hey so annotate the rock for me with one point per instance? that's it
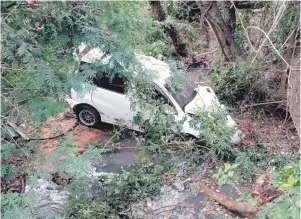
(179, 185)
(230, 191)
(46, 197)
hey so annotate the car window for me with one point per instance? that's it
(160, 97)
(164, 100)
(117, 84)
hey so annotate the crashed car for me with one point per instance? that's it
(110, 103)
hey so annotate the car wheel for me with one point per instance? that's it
(88, 116)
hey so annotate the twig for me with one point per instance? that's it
(151, 211)
(174, 206)
(276, 21)
(114, 136)
(265, 103)
(22, 69)
(278, 53)
(23, 135)
(280, 12)
(22, 185)
(10, 13)
(287, 136)
(206, 53)
(287, 39)
(19, 146)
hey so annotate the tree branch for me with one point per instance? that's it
(10, 13)
(249, 5)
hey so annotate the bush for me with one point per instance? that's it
(14, 205)
(142, 180)
(287, 205)
(238, 84)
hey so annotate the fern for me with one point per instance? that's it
(14, 205)
(42, 109)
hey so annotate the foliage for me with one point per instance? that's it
(141, 180)
(80, 167)
(251, 161)
(40, 110)
(238, 84)
(134, 23)
(226, 175)
(288, 204)
(7, 171)
(15, 205)
(239, 34)
(14, 160)
(39, 52)
(288, 22)
(288, 177)
(216, 132)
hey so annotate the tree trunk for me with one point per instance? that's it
(176, 37)
(287, 56)
(241, 207)
(228, 14)
(293, 92)
(249, 4)
(212, 14)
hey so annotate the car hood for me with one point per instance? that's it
(205, 99)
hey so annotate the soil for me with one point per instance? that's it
(17, 181)
(273, 130)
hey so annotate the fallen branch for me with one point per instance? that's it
(118, 132)
(240, 207)
(13, 125)
(205, 53)
(10, 13)
(265, 103)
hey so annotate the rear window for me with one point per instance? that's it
(101, 80)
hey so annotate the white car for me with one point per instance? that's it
(109, 102)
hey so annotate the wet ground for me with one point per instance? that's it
(198, 205)
(177, 200)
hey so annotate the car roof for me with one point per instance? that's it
(160, 68)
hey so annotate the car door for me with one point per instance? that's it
(111, 101)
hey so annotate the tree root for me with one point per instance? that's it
(243, 208)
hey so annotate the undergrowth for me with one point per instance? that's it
(239, 84)
(140, 181)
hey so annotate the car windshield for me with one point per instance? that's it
(184, 95)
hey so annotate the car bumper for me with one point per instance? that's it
(71, 102)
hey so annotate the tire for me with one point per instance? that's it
(88, 116)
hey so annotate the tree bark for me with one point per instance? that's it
(241, 207)
(293, 92)
(249, 5)
(212, 14)
(176, 37)
(228, 14)
(287, 56)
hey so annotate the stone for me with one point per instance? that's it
(179, 185)
(46, 197)
(230, 191)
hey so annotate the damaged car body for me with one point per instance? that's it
(109, 102)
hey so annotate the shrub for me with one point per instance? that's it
(288, 204)
(237, 84)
